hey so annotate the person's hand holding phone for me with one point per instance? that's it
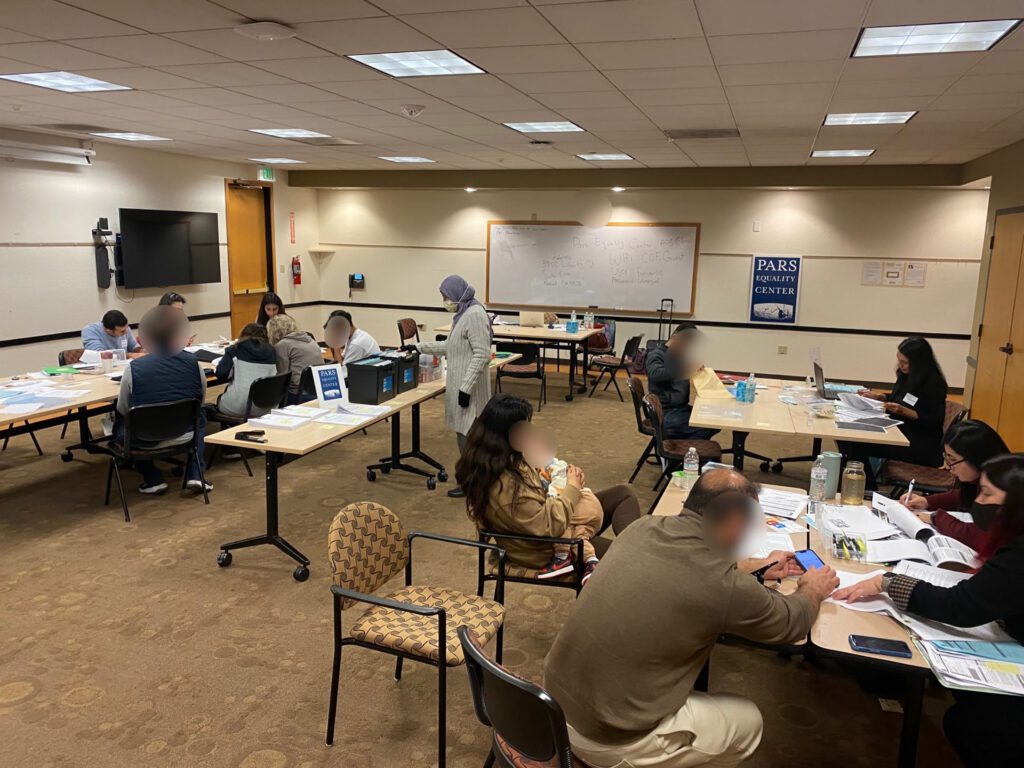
(785, 565)
(818, 583)
(575, 477)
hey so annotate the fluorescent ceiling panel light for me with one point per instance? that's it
(868, 118)
(594, 156)
(128, 136)
(290, 133)
(842, 153)
(406, 159)
(68, 82)
(275, 160)
(418, 63)
(932, 38)
(559, 127)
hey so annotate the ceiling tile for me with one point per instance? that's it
(481, 29)
(378, 35)
(298, 11)
(920, 65)
(793, 46)
(677, 97)
(141, 78)
(502, 60)
(149, 50)
(584, 99)
(320, 69)
(1007, 83)
(555, 82)
(863, 89)
(479, 104)
(212, 96)
(1000, 61)
(653, 79)
(10, 36)
(292, 93)
(796, 92)
(740, 17)
(463, 85)
(226, 75)
(873, 103)
(978, 101)
(890, 13)
(56, 56)
(373, 89)
(693, 116)
(624, 20)
(778, 73)
(174, 16)
(649, 54)
(398, 7)
(51, 20)
(231, 45)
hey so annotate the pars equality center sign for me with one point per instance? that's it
(774, 289)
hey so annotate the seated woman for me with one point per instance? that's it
(348, 344)
(982, 727)
(505, 494)
(918, 399)
(967, 445)
(249, 359)
(296, 351)
(270, 305)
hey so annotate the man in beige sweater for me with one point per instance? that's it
(624, 665)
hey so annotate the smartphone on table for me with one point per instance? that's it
(808, 559)
(881, 646)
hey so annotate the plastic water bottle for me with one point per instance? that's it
(819, 479)
(741, 391)
(691, 467)
(751, 389)
(572, 318)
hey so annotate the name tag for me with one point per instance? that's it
(910, 399)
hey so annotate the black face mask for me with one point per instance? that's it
(984, 514)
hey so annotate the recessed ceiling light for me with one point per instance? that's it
(471, 189)
(618, 189)
(68, 82)
(593, 156)
(842, 153)
(418, 63)
(932, 38)
(290, 133)
(129, 136)
(275, 160)
(407, 159)
(868, 118)
(559, 127)
(265, 31)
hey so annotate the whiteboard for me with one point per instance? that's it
(621, 266)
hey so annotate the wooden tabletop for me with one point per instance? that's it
(539, 333)
(834, 625)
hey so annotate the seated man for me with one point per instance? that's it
(165, 375)
(623, 666)
(111, 333)
(348, 343)
(668, 376)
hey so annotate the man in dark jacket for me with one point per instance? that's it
(668, 377)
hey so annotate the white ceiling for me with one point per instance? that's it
(625, 70)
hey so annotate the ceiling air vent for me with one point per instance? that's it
(682, 134)
(540, 143)
(326, 141)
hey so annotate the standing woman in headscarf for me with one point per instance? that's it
(468, 349)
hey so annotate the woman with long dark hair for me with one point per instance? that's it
(967, 445)
(982, 727)
(505, 494)
(270, 305)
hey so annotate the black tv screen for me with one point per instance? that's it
(161, 248)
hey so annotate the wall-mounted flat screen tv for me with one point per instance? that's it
(161, 248)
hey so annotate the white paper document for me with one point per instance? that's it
(858, 520)
(341, 419)
(19, 409)
(782, 503)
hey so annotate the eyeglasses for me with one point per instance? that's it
(950, 463)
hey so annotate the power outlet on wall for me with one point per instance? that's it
(783, 349)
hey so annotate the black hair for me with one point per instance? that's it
(270, 298)
(114, 319)
(923, 365)
(976, 442)
(684, 326)
(255, 332)
(1007, 474)
(339, 313)
(488, 454)
(171, 297)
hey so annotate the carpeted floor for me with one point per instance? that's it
(126, 645)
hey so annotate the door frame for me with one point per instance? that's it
(268, 216)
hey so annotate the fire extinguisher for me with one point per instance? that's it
(296, 271)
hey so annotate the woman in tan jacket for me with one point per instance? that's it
(505, 494)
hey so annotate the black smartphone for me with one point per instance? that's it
(251, 433)
(808, 559)
(250, 437)
(880, 646)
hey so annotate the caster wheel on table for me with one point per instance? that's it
(386, 469)
(301, 573)
(777, 468)
(765, 466)
(67, 457)
(442, 476)
(431, 483)
(371, 475)
(224, 559)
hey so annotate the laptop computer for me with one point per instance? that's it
(531, 319)
(825, 391)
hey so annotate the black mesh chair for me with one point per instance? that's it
(151, 425)
(264, 394)
(611, 365)
(529, 366)
(527, 724)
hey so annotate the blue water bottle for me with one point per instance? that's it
(741, 391)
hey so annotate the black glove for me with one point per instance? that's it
(463, 399)
(408, 348)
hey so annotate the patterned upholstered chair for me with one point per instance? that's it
(367, 547)
(528, 726)
(926, 479)
(489, 567)
(672, 452)
(407, 329)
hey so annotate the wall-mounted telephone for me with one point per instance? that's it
(356, 281)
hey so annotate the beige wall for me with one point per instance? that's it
(405, 242)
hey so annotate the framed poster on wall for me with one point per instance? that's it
(774, 289)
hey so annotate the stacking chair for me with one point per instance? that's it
(671, 452)
(611, 365)
(643, 425)
(530, 366)
(367, 547)
(407, 329)
(264, 394)
(65, 357)
(527, 725)
(899, 474)
(151, 425)
(307, 388)
(490, 568)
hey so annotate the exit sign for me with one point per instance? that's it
(266, 173)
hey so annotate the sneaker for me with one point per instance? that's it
(560, 565)
(231, 454)
(153, 490)
(197, 485)
(588, 571)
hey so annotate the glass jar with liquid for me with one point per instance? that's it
(853, 483)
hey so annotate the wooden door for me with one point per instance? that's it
(250, 250)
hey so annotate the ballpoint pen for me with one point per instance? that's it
(910, 489)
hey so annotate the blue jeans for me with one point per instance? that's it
(151, 474)
(677, 426)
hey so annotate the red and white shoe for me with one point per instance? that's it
(560, 565)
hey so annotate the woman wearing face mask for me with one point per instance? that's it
(983, 728)
(506, 494)
(967, 445)
(918, 399)
(468, 348)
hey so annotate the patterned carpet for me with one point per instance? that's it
(126, 645)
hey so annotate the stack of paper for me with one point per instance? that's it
(342, 419)
(987, 667)
(858, 520)
(763, 545)
(782, 503)
(277, 421)
(361, 409)
(856, 409)
(302, 411)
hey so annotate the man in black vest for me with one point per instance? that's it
(168, 373)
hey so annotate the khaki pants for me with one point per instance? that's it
(720, 730)
(584, 522)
